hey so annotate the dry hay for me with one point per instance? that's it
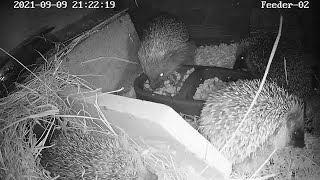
(37, 101)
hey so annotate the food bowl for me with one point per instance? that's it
(183, 102)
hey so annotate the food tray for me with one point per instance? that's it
(183, 102)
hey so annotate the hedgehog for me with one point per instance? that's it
(93, 155)
(253, 54)
(165, 46)
(253, 46)
(276, 119)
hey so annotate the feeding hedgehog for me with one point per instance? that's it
(93, 155)
(253, 54)
(276, 119)
(165, 46)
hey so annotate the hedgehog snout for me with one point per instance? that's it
(240, 63)
(154, 85)
(156, 81)
(296, 130)
(297, 139)
(154, 78)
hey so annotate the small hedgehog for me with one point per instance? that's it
(165, 45)
(276, 119)
(253, 46)
(253, 54)
(93, 155)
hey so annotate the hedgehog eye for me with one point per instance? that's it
(161, 74)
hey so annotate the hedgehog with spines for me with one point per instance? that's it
(253, 54)
(76, 154)
(165, 46)
(276, 119)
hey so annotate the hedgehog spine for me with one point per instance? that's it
(164, 47)
(274, 108)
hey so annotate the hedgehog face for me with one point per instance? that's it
(241, 56)
(164, 66)
(155, 80)
(157, 75)
(295, 125)
(240, 63)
